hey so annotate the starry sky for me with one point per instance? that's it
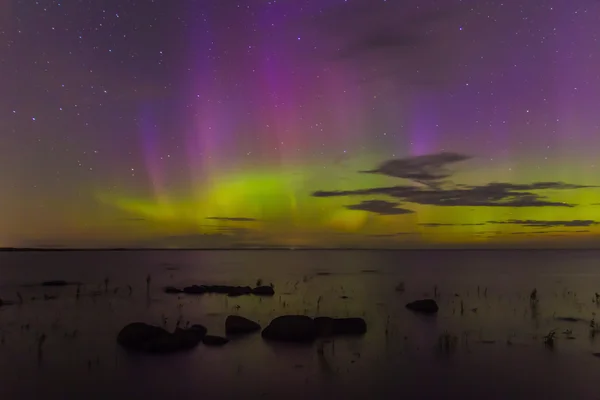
(319, 123)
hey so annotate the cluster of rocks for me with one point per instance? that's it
(231, 291)
(145, 338)
(141, 337)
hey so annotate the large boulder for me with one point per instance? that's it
(327, 326)
(291, 328)
(426, 306)
(142, 337)
(236, 325)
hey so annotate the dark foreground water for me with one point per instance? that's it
(499, 352)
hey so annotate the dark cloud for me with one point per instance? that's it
(529, 186)
(546, 224)
(491, 195)
(426, 169)
(439, 225)
(233, 219)
(380, 207)
(431, 169)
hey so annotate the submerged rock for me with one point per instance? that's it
(291, 328)
(263, 291)
(327, 326)
(232, 291)
(235, 291)
(6, 303)
(569, 319)
(142, 337)
(210, 340)
(426, 306)
(236, 325)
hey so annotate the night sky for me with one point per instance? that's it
(299, 123)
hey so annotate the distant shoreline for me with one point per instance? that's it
(136, 249)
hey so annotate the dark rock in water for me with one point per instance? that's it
(57, 283)
(236, 325)
(221, 289)
(426, 306)
(200, 330)
(235, 291)
(324, 326)
(291, 328)
(142, 337)
(232, 291)
(327, 326)
(188, 338)
(6, 303)
(210, 340)
(569, 319)
(194, 289)
(263, 291)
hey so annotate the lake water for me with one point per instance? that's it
(499, 352)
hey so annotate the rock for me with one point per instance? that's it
(236, 325)
(139, 336)
(426, 306)
(324, 326)
(200, 330)
(188, 338)
(291, 328)
(235, 291)
(194, 289)
(6, 303)
(569, 319)
(232, 291)
(327, 326)
(142, 337)
(263, 291)
(210, 340)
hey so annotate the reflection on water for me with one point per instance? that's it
(487, 340)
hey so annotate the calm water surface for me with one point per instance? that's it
(499, 352)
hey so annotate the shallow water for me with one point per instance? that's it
(398, 356)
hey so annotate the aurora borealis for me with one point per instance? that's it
(319, 123)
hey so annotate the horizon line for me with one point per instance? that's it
(292, 248)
